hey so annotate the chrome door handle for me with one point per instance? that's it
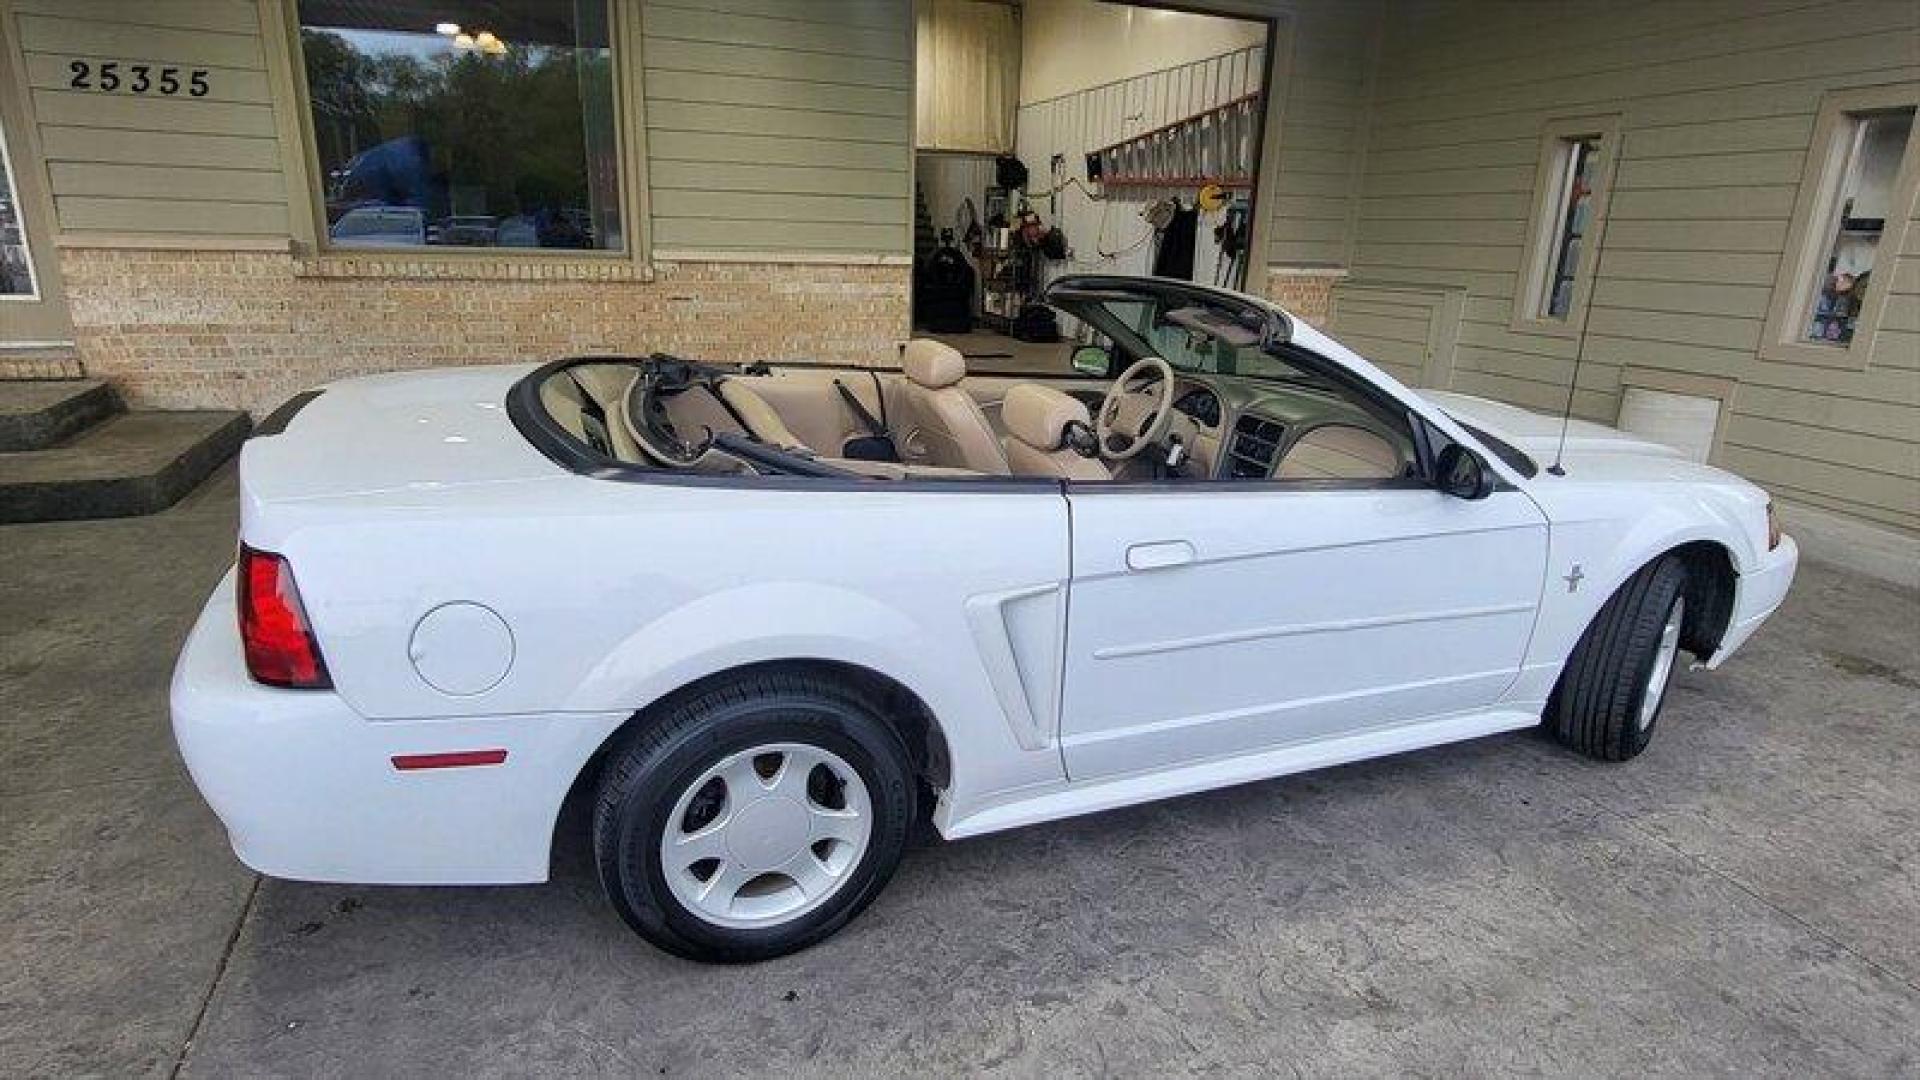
(1159, 555)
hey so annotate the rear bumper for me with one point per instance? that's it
(308, 790)
(1758, 594)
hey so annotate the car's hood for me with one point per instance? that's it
(415, 430)
(1594, 452)
(1539, 434)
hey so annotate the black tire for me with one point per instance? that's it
(653, 766)
(1595, 708)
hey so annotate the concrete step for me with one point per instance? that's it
(37, 413)
(134, 463)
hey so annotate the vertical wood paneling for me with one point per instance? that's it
(1322, 132)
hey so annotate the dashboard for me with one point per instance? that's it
(1246, 429)
(1200, 405)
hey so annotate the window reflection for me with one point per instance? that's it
(1873, 146)
(1574, 220)
(16, 266)
(471, 123)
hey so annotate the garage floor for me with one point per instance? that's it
(1743, 900)
(992, 353)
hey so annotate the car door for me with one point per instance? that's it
(1208, 620)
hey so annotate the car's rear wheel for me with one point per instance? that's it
(754, 817)
(1615, 683)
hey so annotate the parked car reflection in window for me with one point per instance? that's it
(493, 127)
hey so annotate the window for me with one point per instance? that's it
(1870, 148)
(1575, 214)
(16, 263)
(1570, 197)
(1856, 197)
(467, 124)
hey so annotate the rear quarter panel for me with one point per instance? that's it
(617, 593)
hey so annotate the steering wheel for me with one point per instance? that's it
(1122, 425)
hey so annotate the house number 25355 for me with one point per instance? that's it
(113, 76)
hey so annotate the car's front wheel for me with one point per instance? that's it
(753, 818)
(1610, 694)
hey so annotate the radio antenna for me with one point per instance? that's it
(1586, 312)
(1566, 412)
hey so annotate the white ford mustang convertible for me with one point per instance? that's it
(763, 616)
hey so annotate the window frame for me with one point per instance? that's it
(1809, 236)
(1547, 217)
(32, 295)
(287, 77)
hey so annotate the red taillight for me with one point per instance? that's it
(281, 650)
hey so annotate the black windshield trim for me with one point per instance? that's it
(1514, 457)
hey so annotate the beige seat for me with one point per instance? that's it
(1036, 418)
(1340, 452)
(566, 396)
(940, 423)
(757, 416)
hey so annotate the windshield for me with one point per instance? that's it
(1192, 331)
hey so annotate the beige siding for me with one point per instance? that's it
(1322, 133)
(1717, 101)
(1411, 333)
(147, 163)
(778, 127)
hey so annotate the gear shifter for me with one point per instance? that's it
(1176, 454)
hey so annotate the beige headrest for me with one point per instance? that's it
(933, 364)
(1038, 415)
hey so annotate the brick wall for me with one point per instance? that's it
(1306, 293)
(176, 329)
(57, 363)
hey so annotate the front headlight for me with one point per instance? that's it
(1773, 527)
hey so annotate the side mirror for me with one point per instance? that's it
(1093, 360)
(1462, 474)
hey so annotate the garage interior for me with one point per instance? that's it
(1076, 136)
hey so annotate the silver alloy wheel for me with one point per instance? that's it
(1662, 672)
(766, 835)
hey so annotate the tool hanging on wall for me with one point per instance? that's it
(1173, 257)
(1231, 235)
(1159, 214)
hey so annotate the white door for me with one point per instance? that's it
(1207, 621)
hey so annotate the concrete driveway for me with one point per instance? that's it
(1742, 900)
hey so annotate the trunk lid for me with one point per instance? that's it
(422, 430)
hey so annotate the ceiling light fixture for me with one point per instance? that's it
(447, 29)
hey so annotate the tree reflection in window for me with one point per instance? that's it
(16, 263)
(495, 133)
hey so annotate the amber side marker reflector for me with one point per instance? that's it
(458, 759)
